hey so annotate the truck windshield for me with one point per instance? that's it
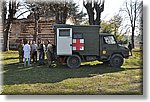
(109, 40)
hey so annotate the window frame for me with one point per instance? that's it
(114, 40)
(66, 29)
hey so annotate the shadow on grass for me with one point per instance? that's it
(10, 58)
(18, 74)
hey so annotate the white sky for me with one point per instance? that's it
(111, 8)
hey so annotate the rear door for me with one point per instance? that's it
(64, 41)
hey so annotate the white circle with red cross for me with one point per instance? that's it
(78, 44)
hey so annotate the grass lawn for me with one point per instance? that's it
(91, 78)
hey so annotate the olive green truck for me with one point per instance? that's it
(76, 44)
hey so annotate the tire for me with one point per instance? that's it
(73, 61)
(116, 60)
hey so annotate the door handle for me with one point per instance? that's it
(70, 44)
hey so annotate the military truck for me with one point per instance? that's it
(76, 43)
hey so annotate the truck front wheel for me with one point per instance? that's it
(73, 61)
(116, 60)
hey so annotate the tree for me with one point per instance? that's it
(94, 9)
(106, 27)
(74, 12)
(61, 10)
(115, 22)
(112, 26)
(11, 11)
(8, 21)
(133, 10)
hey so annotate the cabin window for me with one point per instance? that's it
(109, 40)
(64, 32)
(78, 36)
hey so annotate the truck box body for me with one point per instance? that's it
(84, 39)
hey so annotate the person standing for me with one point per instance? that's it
(30, 43)
(41, 53)
(34, 51)
(27, 50)
(44, 47)
(49, 53)
(130, 48)
(20, 51)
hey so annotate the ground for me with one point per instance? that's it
(91, 78)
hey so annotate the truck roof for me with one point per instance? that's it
(67, 25)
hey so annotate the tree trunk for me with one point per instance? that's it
(98, 14)
(36, 31)
(6, 39)
(90, 11)
(57, 17)
(91, 17)
(64, 15)
(97, 20)
(132, 37)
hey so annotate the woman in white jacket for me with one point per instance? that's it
(27, 50)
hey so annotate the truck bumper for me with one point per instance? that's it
(126, 56)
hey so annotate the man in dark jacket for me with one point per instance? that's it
(20, 51)
(41, 53)
(130, 48)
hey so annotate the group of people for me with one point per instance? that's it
(30, 51)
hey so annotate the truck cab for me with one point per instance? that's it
(110, 51)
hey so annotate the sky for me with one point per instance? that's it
(110, 9)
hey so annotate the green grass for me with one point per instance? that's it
(90, 78)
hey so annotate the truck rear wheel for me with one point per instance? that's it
(73, 61)
(116, 60)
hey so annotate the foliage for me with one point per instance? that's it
(90, 78)
(112, 27)
(60, 10)
(122, 39)
(74, 12)
(115, 22)
(106, 27)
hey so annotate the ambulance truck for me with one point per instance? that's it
(77, 43)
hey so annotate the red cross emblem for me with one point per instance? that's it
(78, 44)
